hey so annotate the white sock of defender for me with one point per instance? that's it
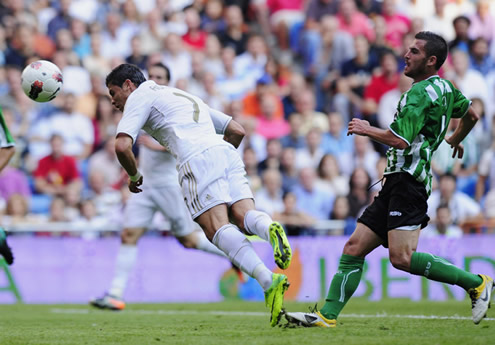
(126, 260)
(241, 252)
(258, 223)
(205, 245)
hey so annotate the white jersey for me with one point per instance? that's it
(158, 168)
(178, 120)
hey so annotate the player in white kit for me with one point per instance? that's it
(211, 172)
(161, 193)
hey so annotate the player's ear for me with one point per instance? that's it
(431, 61)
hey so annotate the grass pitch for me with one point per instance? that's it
(235, 322)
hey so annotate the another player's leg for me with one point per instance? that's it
(344, 282)
(5, 250)
(240, 251)
(124, 265)
(261, 224)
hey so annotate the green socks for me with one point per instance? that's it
(343, 285)
(438, 269)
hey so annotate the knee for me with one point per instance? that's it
(400, 260)
(188, 241)
(129, 236)
(352, 247)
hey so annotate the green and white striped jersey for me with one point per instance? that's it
(6, 139)
(422, 118)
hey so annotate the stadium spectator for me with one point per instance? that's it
(482, 22)
(463, 208)
(82, 40)
(61, 20)
(290, 174)
(353, 21)
(251, 166)
(441, 21)
(364, 156)
(443, 225)
(56, 172)
(337, 142)
(359, 193)
(116, 38)
(234, 35)
(387, 106)
(152, 33)
(14, 181)
(232, 84)
(137, 57)
(94, 62)
(295, 221)
(387, 80)
(306, 108)
(176, 58)
(195, 37)
(211, 18)
(330, 178)
(213, 51)
(397, 24)
(273, 153)
(480, 58)
(310, 155)
(269, 196)
(268, 125)
(105, 161)
(461, 40)
(264, 89)
(341, 211)
(254, 59)
(355, 75)
(297, 84)
(313, 201)
(252, 139)
(294, 139)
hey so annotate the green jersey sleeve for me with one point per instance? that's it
(6, 139)
(411, 113)
(461, 104)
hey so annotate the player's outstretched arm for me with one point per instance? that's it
(384, 136)
(234, 133)
(6, 154)
(123, 149)
(465, 125)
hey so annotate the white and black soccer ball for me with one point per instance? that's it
(41, 81)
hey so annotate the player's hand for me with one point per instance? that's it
(134, 186)
(458, 149)
(358, 126)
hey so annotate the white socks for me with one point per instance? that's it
(257, 223)
(205, 245)
(241, 252)
(126, 259)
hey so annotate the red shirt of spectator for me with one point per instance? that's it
(57, 169)
(194, 38)
(385, 81)
(353, 21)
(251, 103)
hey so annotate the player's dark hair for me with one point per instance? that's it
(435, 46)
(123, 72)
(165, 68)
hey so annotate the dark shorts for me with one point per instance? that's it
(401, 202)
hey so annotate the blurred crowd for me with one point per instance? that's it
(292, 72)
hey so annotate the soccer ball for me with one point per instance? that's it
(41, 81)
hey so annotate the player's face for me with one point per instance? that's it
(415, 59)
(158, 75)
(119, 95)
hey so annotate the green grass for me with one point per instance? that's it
(223, 323)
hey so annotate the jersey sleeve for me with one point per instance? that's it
(220, 120)
(6, 139)
(411, 115)
(461, 104)
(136, 111)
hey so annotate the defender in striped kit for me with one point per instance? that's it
(398, 213)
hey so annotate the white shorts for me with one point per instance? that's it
(216, 176)
(141, 208)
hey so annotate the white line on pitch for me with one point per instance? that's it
(255, 313)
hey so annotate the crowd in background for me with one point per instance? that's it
(292, 72)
